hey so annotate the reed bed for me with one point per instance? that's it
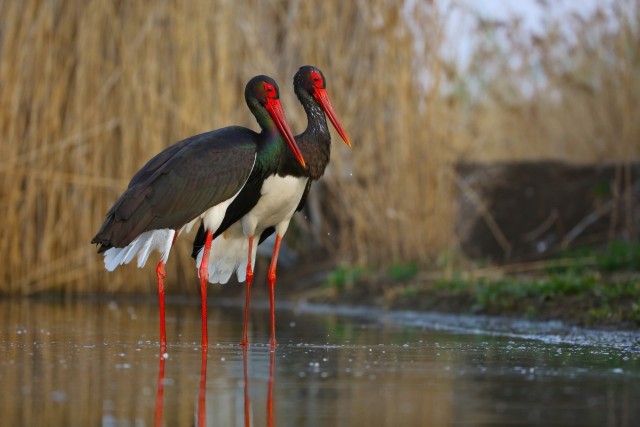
(92, 89)
(570, 91)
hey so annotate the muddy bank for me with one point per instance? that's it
(523, 211)
(578, 310)
(609, 303)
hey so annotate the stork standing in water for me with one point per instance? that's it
(273, 201)
(198, 177)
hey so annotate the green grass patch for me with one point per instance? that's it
(402, 271)
(615, 257)
(345, 277)
(591, 287)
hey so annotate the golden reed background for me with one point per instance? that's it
(91, 89)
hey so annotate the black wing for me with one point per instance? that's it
(181, 183)
(157, 162)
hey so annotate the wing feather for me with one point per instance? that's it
(181, 183)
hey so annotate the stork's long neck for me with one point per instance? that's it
(272, 145)
(315, 141)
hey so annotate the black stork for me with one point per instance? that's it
(274, 202)
(198, 177)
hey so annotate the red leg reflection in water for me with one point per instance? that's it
(247, 402)
(160, 393)
(202, 396)
(272, 365)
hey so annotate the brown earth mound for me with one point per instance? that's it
(522, 211)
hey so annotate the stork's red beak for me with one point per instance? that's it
(322, 97)
(274, 107)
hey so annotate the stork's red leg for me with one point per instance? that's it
(161, 274)
(244, 340)
(271, 275)
(204, 278)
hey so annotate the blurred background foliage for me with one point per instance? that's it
(91, 89)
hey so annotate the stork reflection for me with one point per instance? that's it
(202, 394)
(247, 399)
(159, 393)
(272, 366)
(200, 415)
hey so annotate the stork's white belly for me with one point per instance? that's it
(279, 199)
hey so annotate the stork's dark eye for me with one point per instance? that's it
(317, 79)
(270, 90)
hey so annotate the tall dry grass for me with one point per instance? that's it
(92, 89)
(569, 91)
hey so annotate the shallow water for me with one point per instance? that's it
(97, 363)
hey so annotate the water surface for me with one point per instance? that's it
(97, 363)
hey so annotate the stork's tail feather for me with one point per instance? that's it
(142, 246)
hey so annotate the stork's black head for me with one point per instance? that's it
(309, 83)
(262, 89)
(309, 78)
(262, 93)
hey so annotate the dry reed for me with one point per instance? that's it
(92, 89)
(569, 92)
